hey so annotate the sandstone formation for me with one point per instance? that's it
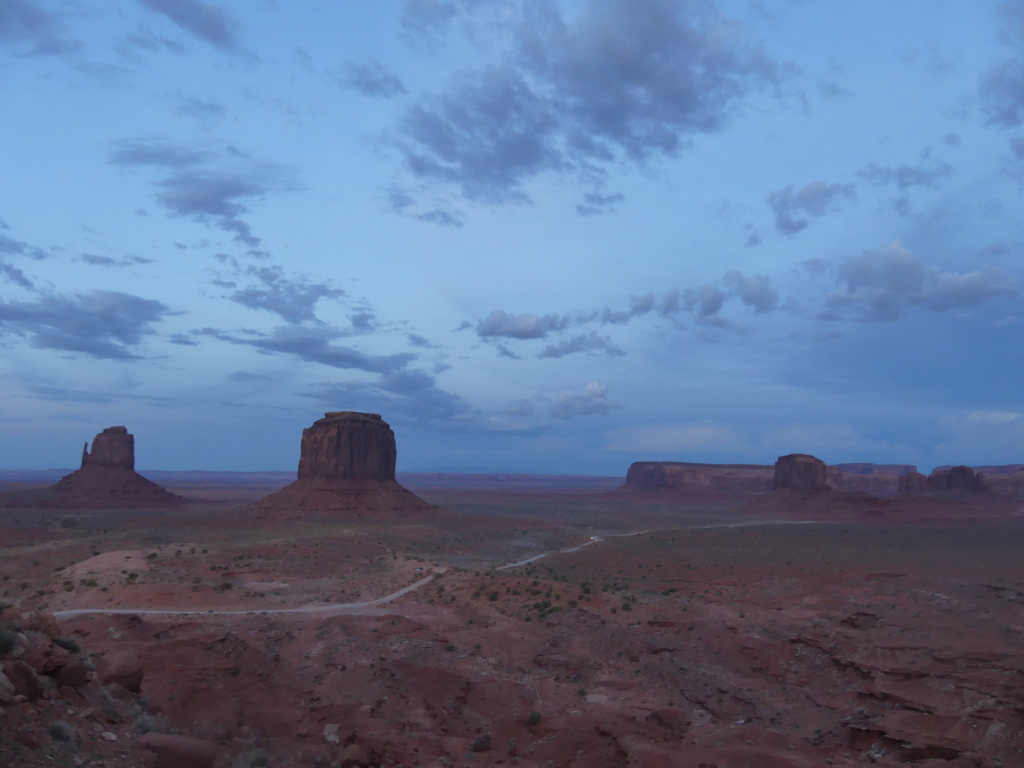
(800, 472)
(672, 478)
(108, 478)
(956, 480)
(347, 466)
(913, 482)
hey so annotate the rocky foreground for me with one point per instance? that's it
(719, 638)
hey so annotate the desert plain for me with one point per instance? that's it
(531, 621)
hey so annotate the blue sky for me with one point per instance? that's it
(534, 235)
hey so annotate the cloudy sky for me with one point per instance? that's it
(535, 235)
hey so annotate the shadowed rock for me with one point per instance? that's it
(800, 472)
(673, 478)
(350, 445)
(347, 466)
(106, 479)
(956, 479)
(913, 482)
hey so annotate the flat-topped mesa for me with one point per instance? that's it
(675, 478)
(913, 482)
(348, 445)
(113, 447)
(347, 470)
(800, 472)
(956, 479)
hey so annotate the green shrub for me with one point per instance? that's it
(533, 718)
(69, 644)
(7, 641)
(61, 731)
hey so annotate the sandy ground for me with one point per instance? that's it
(654, 635)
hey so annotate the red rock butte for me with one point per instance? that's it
(347, 467)
(800, 472)
(108, 478)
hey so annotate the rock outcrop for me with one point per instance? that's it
(912, 482)
(108, 478)
(348, 445)
(800, 472)
(956, 480)
(672, 478)
(347, 467)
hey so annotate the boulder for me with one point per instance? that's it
(72, 674)
(800, 472)
(44, 656)
(24, 679)
(7, 690)
(913, 482)
(174, 751)
(348, 445)
(123, 668)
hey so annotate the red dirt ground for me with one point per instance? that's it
(783, 634)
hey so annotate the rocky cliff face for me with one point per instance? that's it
(670, 477)
(108, 478)
(349, 445)
(113, 447)
(913, 482)
(347, 469)
(800, 472)
(956, 479)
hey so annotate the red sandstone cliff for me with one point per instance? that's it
(347, 466)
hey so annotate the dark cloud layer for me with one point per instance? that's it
(103, 324)
(314, 346)
(294, 299)
(210, 187)
(527, 326)
(371, 79)
(26, 21)
(628, 81)
(590, 343)
(794, 207)
(882, 285)
(204, 21)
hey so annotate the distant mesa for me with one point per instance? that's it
(106, 479)
(959, 479)
(800, 472)
(671, 479)
(912, 483)
(347, 466)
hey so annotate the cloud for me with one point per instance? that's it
(519, 408)
(629, 80)
(755, 291)
(425, 20)
(205, 112)
(293, 299)
(26, 21)
(928, 172)
(10, 247)
(881, 285)
(794, 208)
(1002, 88)
(202, 20)
(411, 396)
(593, 399)
(500, 324)
(107, 261)
(371, 79)
(314, 346)
(103, 324)
(590, 343)
(206, 186)
(596, 203)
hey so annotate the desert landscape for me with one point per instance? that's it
(693, 616)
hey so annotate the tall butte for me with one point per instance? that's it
(108, 478)
(347, 466)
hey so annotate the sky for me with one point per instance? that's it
(552, 236)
